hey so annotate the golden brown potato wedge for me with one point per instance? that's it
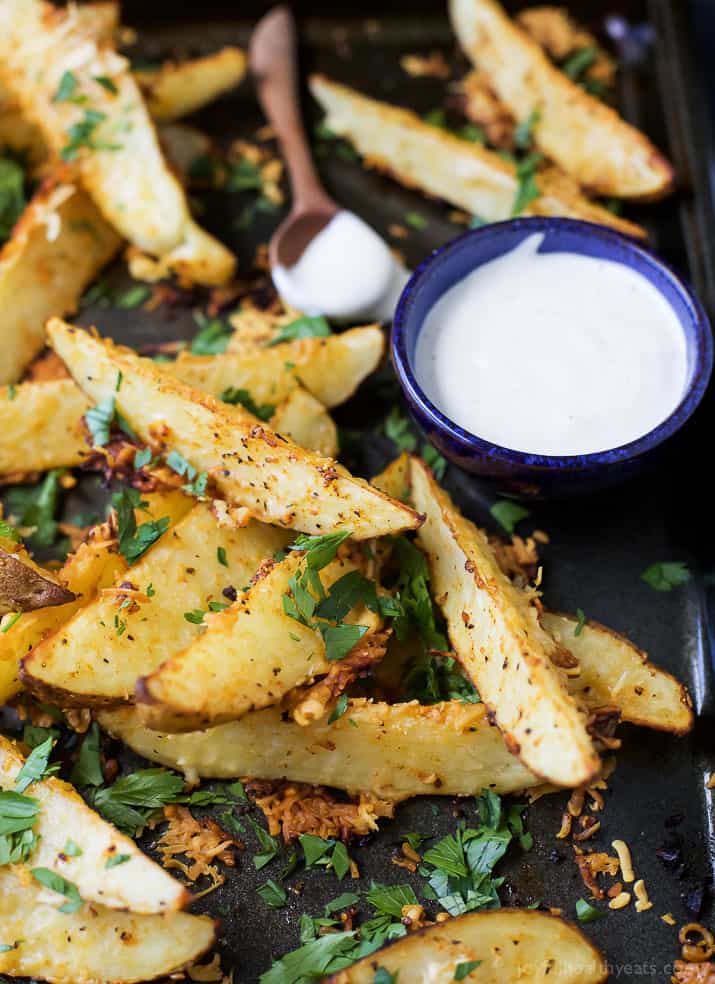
(96, 657)
(495, 631)
(107, 947)
(469, 176)
(41, 426)
(614, 672)
(109, 137)
(24, 585)
(250, 465)
(137, 884)
(93, 566)
(585, 137)
(330, 368)
(179, 88)
(306, 422)
(506, 945)
(394, 751)
(250, 656)
(59, 245)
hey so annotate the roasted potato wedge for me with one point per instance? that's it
(495, 631)
(24, 585)
(583, 135)
(469, 176)
(107, 947)
(179, 88)
(395, 752)
(138, 884)
(109, 136)
(95, 564)
(97, 656)
(250, 465)
(508, 945)
(330, 368)
(41, 426)
(59, 245)
(614, 672)
(250, 656)
(306, 422)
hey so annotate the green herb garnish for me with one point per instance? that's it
(666, 575)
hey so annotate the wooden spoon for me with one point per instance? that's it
(273, 62)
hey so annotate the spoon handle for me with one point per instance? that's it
(273, 62)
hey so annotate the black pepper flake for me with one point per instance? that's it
(230, 593)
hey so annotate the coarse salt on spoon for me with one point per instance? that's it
(324, 259)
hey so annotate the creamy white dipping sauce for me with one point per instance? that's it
(346, 272)
(553, 353)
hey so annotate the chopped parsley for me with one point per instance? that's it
(383, 976)
(508, 513)
(197, 482)
(87, 769)
(99, 421)
(581, 621)
(325, 853)
(434, 459)
(435, 677)
(306, 327)
(57, 883)
(134, 799)
(268, 845)
(36, 766)
(243, 176)
(340, 708)
(135, 540)
(116, 859)
(397, 428)
(142, 458)
(12, 197)
(527, 189)
(133, 297)
(579, 62)
(586, 913)
(10, 620)
(416, 609)
(415, 221)
(67, 88)
(72, 849)
(106, 83)
(37, 506)
(465, 968)
(666, 575)
(8, 532)
(221, 556)
(241, 397)
(196, 616)
(273, 894)
(524, 131)
(83, 134)
(213, 337)
(17, 818)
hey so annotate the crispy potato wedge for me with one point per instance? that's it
(331, 368)
(395, 752)
(510, 945)
(469, 176)
(115, 149)
(24, 585)
(106, 946)
(138, 884)
(250, 465)
(583, 135)
(250, 656)
(41, 426)
(93, 566)
(59, 245)
(306, 422)
(495, 632)
(177, 89)
(616, 673)
(96, 657)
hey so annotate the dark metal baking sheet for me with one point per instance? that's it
(599, 546)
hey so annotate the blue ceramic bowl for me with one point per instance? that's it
(539, 475)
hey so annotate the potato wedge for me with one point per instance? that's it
(465, 174)
(250, 656)
(93, 566)
(109, 137)
(138, 884)
(279, 482)
(96, 657)
(496, 635)
(616, 673)
(583, 135)
(394, 751)
(509, 945)
(106, 946)
(177, 89)
(24, 585)
(59, 245)
(306, 422)
(331, 368)
(41, 426)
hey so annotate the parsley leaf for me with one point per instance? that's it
(37, 505)
(586, 913)
(340, 639)
(35, 766)
(578, 628)
(60, 885)
(417, 609)
(273, 894)
(313, 960)
(213, 337)
(327, 853)
(268, 845)
(666, 575)
(196, 484)
(83, 134)
(508, 513)
(87, 770)
(415, 220)
(340, 708)
(579, 62)
(465, 968)
(12, 196)
(72, 849)
(390, 899)
(116, 859)
(17, 818)
(242, 397)
(99, 421)
(132, 800)
(221, 556)
(7, 532)
(524, 131)
(133, 297)
(435, 677)
(135, 540)
(397, 428)
(67, 88)
(320, 550)
(435, 460)
(306, 327)
(383, 976)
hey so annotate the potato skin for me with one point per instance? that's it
(24, 588)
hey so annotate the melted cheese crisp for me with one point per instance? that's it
(553, 353)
